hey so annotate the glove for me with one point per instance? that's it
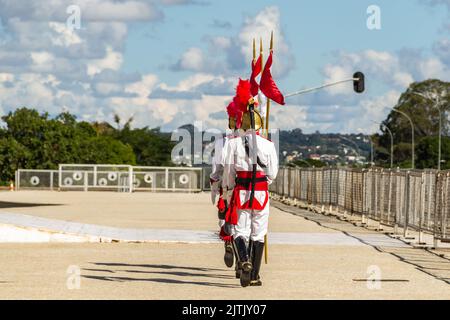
(228, 228)
(222, 207)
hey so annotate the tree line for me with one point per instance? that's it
(33, 140)
(424, 115)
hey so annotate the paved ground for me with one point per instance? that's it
(309, 269)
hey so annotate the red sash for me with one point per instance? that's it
(235, 203)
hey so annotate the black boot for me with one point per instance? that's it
(229, 255)
(244, 264)
(257, 251)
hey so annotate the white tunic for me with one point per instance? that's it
(235, 158)
(217, 166)
(251, 224)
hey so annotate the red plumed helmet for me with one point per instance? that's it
(232, 110)
(240, 101)
(243, 95)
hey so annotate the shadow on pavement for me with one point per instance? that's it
(425, 261)
(158, 266)
(7, 204)
(184, 274)
(201, 272)
(161, 280)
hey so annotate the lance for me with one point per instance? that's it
(261, 54)
(268, 100)
(254, 51)
(266, 242)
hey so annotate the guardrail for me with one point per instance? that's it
(36, 179)
(404, 199)
(121, 178)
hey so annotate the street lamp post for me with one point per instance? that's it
(392, 140)
(371, 151)
(358, 80)
(440, 134)
(412, 136)
(358, 152)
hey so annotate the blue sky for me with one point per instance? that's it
(314, 30)
(171, 62)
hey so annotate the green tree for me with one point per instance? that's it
(424, 115)
(34, 141)
(13, 156)
(151, 146)
(106, 150)
(428, 150)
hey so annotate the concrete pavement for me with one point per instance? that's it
(329, 259)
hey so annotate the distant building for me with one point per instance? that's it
(290, 158)
(314, 156)
(329, 157)
(361, 159)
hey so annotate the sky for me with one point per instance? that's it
(167, 63)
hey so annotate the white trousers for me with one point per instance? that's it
(252, 224)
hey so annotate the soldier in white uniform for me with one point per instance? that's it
(216, 190)
(250, 165)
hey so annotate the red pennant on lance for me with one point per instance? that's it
(268, 85)
(256, 70)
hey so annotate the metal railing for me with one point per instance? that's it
(404, 199)
(36, 179)
(121, 178)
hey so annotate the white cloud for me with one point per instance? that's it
(192, 60)
(375, 109)
(63, 35)
(289, 117)
(221, 42)
(393, 70)
(42, 61)
(433, 68)
(192, 81)
(91, 10)
(118, 11)
(6, 77)
(403, 79)
(105, 88)
(261, 25)
(362, 117)
(232, 55)
(143, 87)
(442, 49)
(46, 66)
(112, 60)
(334, 73)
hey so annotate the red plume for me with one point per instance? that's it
(240, 101)
(231, 110)
(243, 94)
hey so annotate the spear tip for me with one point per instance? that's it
(271, 41)
(254, 49)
